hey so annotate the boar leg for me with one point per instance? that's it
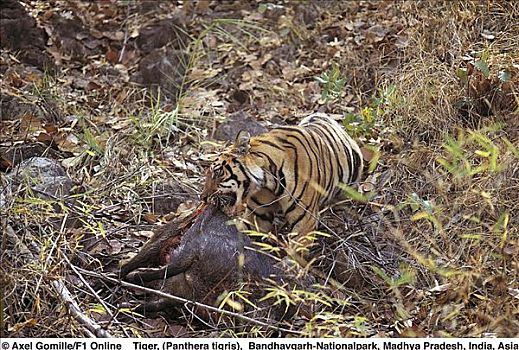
(177, 266)
(156, 306)
(150, 253)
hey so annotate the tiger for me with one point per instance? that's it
(287, 174)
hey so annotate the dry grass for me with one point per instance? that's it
(432, 253)
(449, 38)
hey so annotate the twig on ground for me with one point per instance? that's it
(74, 309)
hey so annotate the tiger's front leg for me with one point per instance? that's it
(259, 221)
(303, 221)
(299, 248)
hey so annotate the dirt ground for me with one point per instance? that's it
(129, 101)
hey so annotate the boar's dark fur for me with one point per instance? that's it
(206, 263)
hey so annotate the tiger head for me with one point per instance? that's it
(231, 176)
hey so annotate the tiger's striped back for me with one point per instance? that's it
(346, 150)
(301, 166)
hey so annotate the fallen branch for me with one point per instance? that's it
(74, 309)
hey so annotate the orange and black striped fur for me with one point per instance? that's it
(288, 173)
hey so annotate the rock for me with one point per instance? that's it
(162, 68)
(229, 129)
(45, 177)
(308, 14)
(67, 32)
(18, 32)
(14, 108)
(17, 153)
(168, 31)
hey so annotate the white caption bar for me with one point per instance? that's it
(260, 344)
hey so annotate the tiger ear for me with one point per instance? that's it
(241, 144)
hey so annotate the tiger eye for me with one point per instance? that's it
(217, 173)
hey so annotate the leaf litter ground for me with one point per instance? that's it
(130, 97)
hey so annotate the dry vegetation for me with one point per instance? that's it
(431, 87)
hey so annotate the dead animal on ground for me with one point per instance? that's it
(212, 257)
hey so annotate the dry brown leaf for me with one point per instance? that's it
(150, 218)
(112, 55)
